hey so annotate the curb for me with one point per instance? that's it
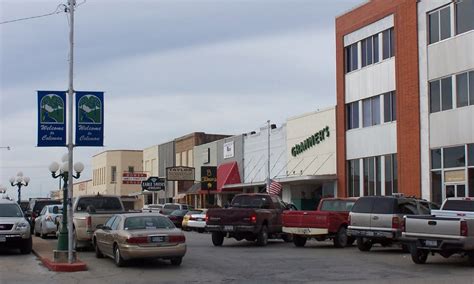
(61, 267)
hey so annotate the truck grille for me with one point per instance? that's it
(6, 227)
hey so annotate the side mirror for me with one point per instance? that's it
(55, 210)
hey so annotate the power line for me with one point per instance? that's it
(59, 9)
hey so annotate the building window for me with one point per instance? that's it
(370, 50)
(470, 154)
(391, 174)
(436, 159)
(440, 24)
(372, 184)
(353, 115)
(351, 58)
(441, 95)
(390, 107)
(465, 89)
(436, 187)
(131, 169)
(113, 175)
(388, 44)
(464, 14)
(454, 157)
(371, 111)
(354, 178)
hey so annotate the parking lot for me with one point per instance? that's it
(243, 262)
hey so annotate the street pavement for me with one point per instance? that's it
(243, 262)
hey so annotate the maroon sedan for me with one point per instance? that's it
(177, 217)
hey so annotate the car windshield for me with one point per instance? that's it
(250, 201)
(98, 204)
(147, 223)
(337, 205)
(10, 210)
(179, 212)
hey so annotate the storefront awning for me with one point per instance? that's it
(227, 174)
(194, 189)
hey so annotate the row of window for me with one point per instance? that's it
(441, 92)
(371, 110)
(439, 21)
(452, 157)
(371, 174)
(369, 50)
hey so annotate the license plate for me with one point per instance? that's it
(158, 239)
(228, 228)
(3, 238)
(429, 243)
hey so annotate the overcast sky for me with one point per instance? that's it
(167, 68)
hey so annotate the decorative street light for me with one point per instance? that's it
(20, 182)
(64, 174)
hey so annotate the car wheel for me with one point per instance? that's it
(262, 237)
(98, 253)
(119, 261)
(419, 256)
(364, 244)
(340, 240)
(176, 261)
(26, 246)
(299, 241)
(217, 238)
(287, 238)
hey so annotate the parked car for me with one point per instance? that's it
(14, 228)
(329, 221)
(378, 219)
(45, 223)
(195, 220)
(170, 207)
(139, 235)
(90, 211)
(152, 208)
(447, 231)
(35, 208)
(177, 217)
(251, 216)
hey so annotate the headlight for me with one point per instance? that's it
(22, 226)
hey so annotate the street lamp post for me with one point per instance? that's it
(20, 182)
(64, 174)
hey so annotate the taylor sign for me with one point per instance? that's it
(153, 184)
(180, 173)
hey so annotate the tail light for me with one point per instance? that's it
(177, 239)
(253, 218)
(464, 231)
(137, 240)
(395, 223)
(89, 223)
(403, 225)
(207, 218)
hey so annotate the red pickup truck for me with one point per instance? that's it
(329, 221)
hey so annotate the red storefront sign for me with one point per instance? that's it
(133, 178)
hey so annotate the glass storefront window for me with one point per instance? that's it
(470, 154)
(454, 157)
(436, 159)
(436, 187)
(354, 178)
(470, 173)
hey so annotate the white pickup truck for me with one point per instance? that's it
(447, 231)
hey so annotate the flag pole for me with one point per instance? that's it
(268, 157)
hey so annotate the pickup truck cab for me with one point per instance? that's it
(253, 217)
(91, 211)
(447, 231)
(329, 221)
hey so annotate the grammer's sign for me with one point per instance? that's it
(309, 142)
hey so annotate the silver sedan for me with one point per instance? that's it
(45, 223)
(139, 236)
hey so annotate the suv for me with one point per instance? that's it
(14, 228)
(170, 207)
(378, 219)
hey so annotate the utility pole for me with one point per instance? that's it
(70, 146)
(268, 160)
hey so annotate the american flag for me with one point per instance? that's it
(275, 187)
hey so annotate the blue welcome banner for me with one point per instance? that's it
(89, 119)
(51, 118)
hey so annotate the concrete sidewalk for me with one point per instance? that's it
(43, 249)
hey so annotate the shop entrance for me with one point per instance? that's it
(455, 190)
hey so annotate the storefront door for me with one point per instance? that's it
(456, 190)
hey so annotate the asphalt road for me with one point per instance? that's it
(243, 262)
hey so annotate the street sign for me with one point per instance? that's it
(51, 118)
(153, 184)
(180, 173)
(208, 178)
(89, 119)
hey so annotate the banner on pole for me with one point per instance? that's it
(89, 119)
(51, 118)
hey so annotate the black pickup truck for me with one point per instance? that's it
(253, 217)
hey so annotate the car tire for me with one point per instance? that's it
(262, 236)
(217, 239)
(176, 261)
(299, 241)
(98, 253)
(119, 261)
(26, 247)
(419, 256)
(287, 238)
(340, 239)
(364, 244)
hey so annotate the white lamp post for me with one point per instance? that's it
(19, 181)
